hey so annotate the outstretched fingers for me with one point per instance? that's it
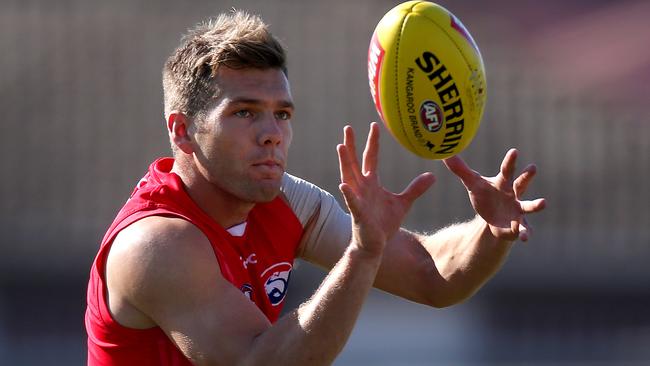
(457, 165)
(520, 184)
(351, 149)
(514, 227)
(352, 178)
(524, 231)
(348, 138)
(348, 164)
(519, 229)
(417, 187)
(351, 198)
(345, 165)
(371, 152)
(508, 164)
(533, 206)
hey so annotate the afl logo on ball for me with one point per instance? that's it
(276, 282)
(431, 116)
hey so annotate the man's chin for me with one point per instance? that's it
(268, 191)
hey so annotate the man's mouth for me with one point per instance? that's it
(270, 168)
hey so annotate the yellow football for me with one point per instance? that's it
(427, 79)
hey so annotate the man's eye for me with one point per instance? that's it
(283, 115)
(244, 113)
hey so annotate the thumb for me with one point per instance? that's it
(417, 187)
(458, 166)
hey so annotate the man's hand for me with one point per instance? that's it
(498, 199)
(377, 213)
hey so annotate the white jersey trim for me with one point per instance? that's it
(327, 227)
(237, 230)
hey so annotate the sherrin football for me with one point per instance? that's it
(427, 79)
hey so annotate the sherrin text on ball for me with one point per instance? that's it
(427, 79)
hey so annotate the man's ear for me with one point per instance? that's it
(177, 127)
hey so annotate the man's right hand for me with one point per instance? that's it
(377, 213)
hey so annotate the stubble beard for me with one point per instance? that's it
(251, 190)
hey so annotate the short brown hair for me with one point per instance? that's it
(236, 39)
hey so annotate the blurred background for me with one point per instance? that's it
(568, 84)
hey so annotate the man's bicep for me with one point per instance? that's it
(181, 289)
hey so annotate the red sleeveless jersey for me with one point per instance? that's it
(258, 263)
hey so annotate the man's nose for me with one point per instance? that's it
(270, 131)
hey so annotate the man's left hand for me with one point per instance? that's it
(498, 199)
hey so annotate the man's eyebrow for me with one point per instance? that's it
(245, 100)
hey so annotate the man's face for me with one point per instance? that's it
(242, 143)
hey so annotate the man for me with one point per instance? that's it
(195, 267)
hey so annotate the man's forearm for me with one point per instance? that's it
(315, 333)
(466, 255)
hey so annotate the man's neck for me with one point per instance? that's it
(224, 208)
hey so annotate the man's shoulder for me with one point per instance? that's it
(299, 191)
(291, 182)
(159, 240)
(303, 197)
(160, 228)
(150, 262)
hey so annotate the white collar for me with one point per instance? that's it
(237, 230)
